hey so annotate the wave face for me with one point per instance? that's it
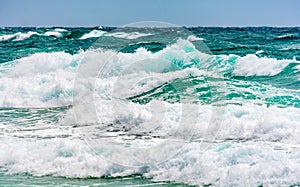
(152, 102)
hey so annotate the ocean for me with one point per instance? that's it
(149, 106)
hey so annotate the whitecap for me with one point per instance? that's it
(93, 34)
(251, 65)
(133, 35)
(194, 38)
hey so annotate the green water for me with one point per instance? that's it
(237, 87)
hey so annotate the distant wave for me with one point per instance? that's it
(194, 38)
(99, 33)
(291, 47)
(19, 36)
(56, 32)
(93, 34)
(132, 35)
(287, 37)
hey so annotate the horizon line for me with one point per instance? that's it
(188, 26)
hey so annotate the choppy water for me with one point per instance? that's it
(149, 106)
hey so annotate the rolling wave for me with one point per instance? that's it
(19, 36)
(47, 78)
(58, 32)
(287, 37)
(234, 117)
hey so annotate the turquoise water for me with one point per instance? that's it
(149, 106)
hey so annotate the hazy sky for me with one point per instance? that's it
(121, 12)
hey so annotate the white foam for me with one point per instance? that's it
(19, 36)
(23, 36)
(99, 33)
(251, 65)
(53, 33)
(133, 35)
(232, 164)
(194, 38)
(93, 34)
(259, 52)
(291, 47)
(47, 79)
(252, 142)
(227, 144)
(8, 36)
(41, 79)
(60, 30)
(287, 36)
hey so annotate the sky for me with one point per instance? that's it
(122, 12)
